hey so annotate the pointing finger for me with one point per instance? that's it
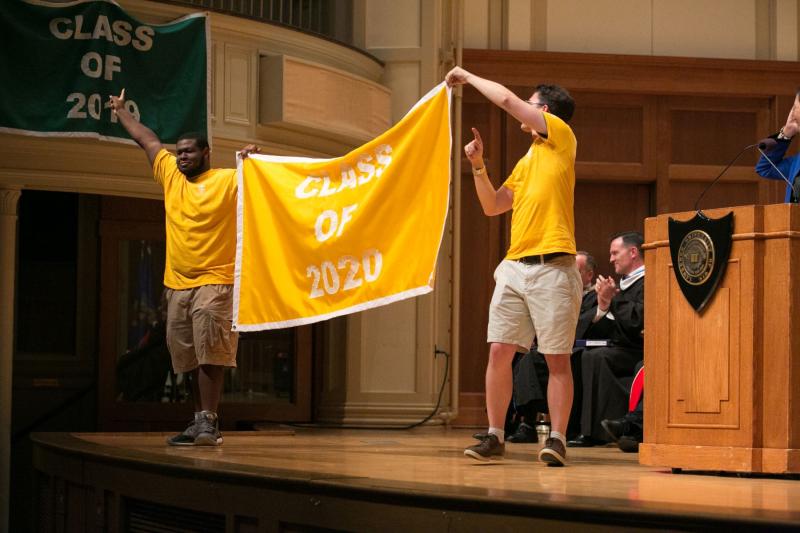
(477, 135)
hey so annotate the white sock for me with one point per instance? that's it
(559, 436)
(499, 433)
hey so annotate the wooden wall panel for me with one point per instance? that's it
(352, 107)
(609, 132)
(722, 194)
(596, 222)
(713, 137)
(704, 352)
(239, 66)
(482, 241)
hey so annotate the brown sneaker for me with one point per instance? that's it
(554, 453)
(208, 430)
(186, 438)
(487, 449)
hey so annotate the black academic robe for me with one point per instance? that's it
(588, 311)
(628, 324)
(608, 370)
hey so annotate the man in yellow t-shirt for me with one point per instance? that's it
(200, 206)
(538, 288)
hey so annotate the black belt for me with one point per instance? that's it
(540, 259)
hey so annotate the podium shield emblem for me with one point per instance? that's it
(700, 248)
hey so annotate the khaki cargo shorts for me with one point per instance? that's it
(199, 327)
(539, 301)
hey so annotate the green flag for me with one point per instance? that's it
(60, 62)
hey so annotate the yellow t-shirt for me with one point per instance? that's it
(543, 181)
(201, 224)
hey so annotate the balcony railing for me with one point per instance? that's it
(326, 18)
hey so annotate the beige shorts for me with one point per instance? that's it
(539, 301)
(199, 327)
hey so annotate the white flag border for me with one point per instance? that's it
(386, 300)
(378, 302)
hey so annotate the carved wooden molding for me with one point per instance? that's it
(640, 74)
(9, 200)
(350, 106)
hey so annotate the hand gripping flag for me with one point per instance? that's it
(319, 238)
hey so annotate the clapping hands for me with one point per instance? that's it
(606, 289)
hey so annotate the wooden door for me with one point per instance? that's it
(138, 390)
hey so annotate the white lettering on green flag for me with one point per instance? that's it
(61, 61)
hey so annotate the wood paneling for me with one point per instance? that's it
(351, 107)
(723, 194)
(704, 353)
(489, 234)
(652, 133)
(238, 82)
(609, 131)
(712, 137)
(636, 74)
(603, 209)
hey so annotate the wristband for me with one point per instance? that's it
(478, 171)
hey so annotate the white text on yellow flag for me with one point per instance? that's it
(319, 238)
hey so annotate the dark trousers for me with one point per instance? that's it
(606, 373)
(530, 388)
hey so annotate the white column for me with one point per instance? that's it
(381, 368)
(8, 252)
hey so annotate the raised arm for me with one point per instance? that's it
(493, 201)
(503, 98)
(776, 155)
(140, 133)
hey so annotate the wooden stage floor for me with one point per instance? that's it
(429, 462)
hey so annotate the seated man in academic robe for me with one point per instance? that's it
(606, 371)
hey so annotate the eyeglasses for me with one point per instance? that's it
(540, 104)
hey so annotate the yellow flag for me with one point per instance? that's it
(319, 238)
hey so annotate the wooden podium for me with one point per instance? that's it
(722, 388)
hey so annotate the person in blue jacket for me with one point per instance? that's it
(789, 166)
